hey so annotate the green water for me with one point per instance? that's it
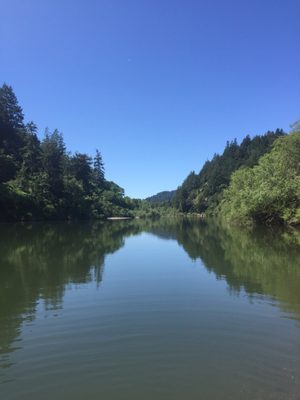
(169, 309)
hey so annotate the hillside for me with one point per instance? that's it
(161, 197)
(269, 192)
(203, 192)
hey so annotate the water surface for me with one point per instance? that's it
(167, 309)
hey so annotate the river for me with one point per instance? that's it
(165, 309)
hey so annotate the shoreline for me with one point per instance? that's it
(118, 218)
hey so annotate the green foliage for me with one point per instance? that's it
(81, 170)
(99, 170)
(161, 197)
(7, 167)
(202, 192)
(41, 180)
(10, 111)
(31, 158)
(12, 133)
(270, 191)
(256, 180)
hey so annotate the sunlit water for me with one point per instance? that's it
(170, 309)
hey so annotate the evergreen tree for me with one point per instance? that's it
(40, 180)
(32, 157)
(11, 127)
(8, 167)
(99, 171)
(204, 191)
(53, 161)
(10, 111)
(81, 169)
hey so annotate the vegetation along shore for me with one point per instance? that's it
(256, 181)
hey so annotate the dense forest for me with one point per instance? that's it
(40, 179)
(270, 191)
(162, 197)
(256, 180)
(203, 191)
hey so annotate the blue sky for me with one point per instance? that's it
(157, 85)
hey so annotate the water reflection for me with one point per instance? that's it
(39, 261)
(260, 261)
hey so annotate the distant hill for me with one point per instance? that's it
(161, 197)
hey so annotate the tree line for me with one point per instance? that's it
(269, 192)
(40, 179)
(202, 192)
(257, 180)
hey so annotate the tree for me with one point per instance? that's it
(53, 161)
(204, 191)
(32, 157)
(40, 180)
(270, 191)
(80, 167)
(7, 167)
(99, 171)
(10, 111)
(11, 124)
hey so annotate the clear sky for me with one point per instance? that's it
(157, 85)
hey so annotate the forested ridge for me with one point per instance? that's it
(203, 191)
(40, 179)
(162, 197)
(257, 180)
(269, 192)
